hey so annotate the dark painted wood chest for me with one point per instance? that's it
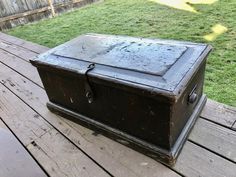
(144, 93)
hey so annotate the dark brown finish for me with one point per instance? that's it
(144, 91)
(107, 157)
(206, 153)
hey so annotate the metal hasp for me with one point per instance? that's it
(144, 93)
(88, 90)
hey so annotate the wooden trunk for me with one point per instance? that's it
(144, 93)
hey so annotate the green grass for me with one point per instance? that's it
(149, 19)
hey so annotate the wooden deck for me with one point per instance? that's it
(60, 148)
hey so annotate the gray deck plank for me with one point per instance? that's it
(193, 162)
(219, 113)
(100, 146)
(56, 154)
(216, 138)
(15, 161)
(18, 51)
(216, 112)
(104, 154)
(23, 67)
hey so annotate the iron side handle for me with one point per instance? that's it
(193, 96)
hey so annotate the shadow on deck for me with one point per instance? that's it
(62, 148)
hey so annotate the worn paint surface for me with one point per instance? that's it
(141, 88)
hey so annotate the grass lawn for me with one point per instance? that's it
(209, 23)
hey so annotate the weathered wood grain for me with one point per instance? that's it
(67, 159)
(195, 161)
(212, 112)
(17, 51)
(22, 43)
(21, 66)
(216, 138)
(23, 14)
(14, 13)
(19, 6)
(54, 152)
(15, 161)
(219, 113)
(116, 158)
(19, 118)
(122, 161)
(80, 135)
(104, 150)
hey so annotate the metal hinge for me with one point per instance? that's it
(88, 89)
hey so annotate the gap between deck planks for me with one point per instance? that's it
(54, 152)
(22, 67)
(26, 90)
(23, 53)
(220, 113)
(213, 113)
(25, 44)
(15, 161)
(118, 169)
(86, 138)
(27, 50)
(77, 127)
(122, 170)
